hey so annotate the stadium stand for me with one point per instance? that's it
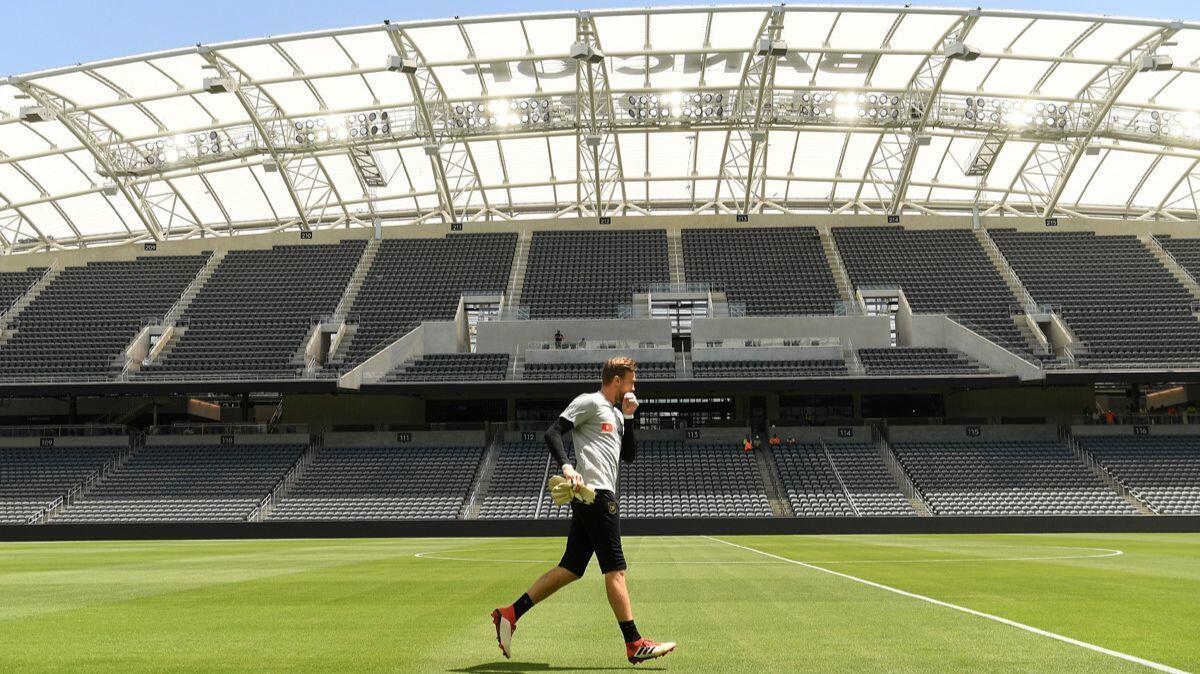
(382, 483)
(940, 271)
(517, 481)
(774, 270)
(13, 284)
(81, 322)
(810, 483)
(713, 369)
(1185, 251)
(671, 479)
(415, 280)
(918, 360)
(186, 483)
(453, 367)
(1162, 471)
(1006, 478)
(31, 477)
(252, 316)
(1115, 296)
(590, 274)
(591, 371)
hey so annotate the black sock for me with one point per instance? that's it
(522, 605)
(630, 631)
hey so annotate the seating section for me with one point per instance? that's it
(517, 480)
(254, 314)
(1185, 251)
(453, 367)
(869, 483)
(744, 369)
(918, 360)
(591, 371)
(186, 483)
(1116, 297)
(774, 270)
(1006, 478)
(415, 280)
(80, 323)
(32, 477)
(940, 271)
(1162, 471)
(382, 483)
(589, 274)
(13, 285)
(671, 479)
(809, 481)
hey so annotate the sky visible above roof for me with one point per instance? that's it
(49, 35)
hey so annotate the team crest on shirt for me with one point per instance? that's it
(612, 507)
(606, 427)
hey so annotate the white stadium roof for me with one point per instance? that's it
(718, 109)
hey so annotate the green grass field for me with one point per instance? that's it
(423, 604)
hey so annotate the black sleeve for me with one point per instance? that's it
(554, 440)
(628, 443)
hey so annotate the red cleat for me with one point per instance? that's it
(505, 621)
(644, 649)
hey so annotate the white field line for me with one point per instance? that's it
(1105, 552)
(1005, 621)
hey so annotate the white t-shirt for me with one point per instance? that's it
(599, 427)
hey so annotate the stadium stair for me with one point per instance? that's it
(1172, 265)
(171, 331)
(30, 295)
(780, 505)
(516, 281)
(289, 480)
(85, 486)
(675, 255)
(1037, 342)
(483, 479)
(1106, 477)
(840, 277)
(902, 478)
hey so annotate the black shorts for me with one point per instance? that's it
(594, 528)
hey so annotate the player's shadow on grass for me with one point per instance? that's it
(504, 666)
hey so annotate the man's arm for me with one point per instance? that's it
(554, 441)
(628, 443)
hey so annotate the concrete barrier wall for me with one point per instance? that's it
(416, 439)
(1137, 430)
(542, 356)
(940, 331)
(770, 353)
(966, 433)
(863, 331)
(507, 336)
(831, 435)
(50, 443)
(247, 439)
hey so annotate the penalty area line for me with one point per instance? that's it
(1005, 621)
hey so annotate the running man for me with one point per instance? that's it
(603, 426)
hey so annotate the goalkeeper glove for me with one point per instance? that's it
(561, 491)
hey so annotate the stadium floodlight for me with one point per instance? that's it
(432, 149)
(582, 51)
(36, 113)
(1154, 63)
(399, 64)
(924, 139)
(1091, 150)
(218, 85)
(109, 190)
(961, 51)
(271, 166)
(769, 47)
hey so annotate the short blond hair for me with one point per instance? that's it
(616, 366)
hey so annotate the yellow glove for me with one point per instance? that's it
(561, 491)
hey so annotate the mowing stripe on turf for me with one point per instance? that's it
(1011, 623)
